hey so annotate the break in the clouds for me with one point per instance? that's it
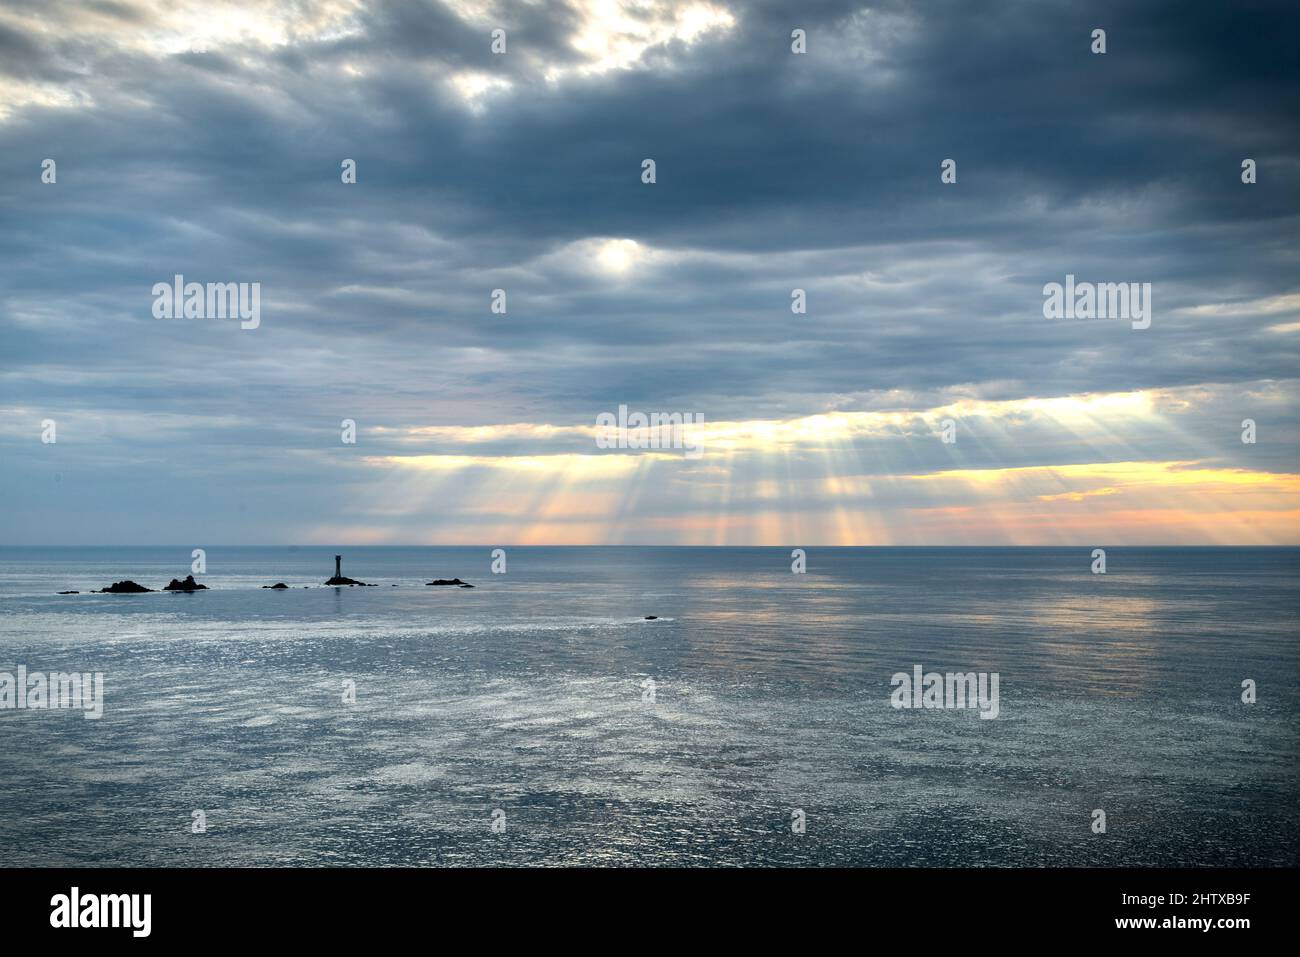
(207, 139)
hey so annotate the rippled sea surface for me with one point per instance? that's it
(527, 694)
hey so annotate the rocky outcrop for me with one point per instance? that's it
(188, 585)
(277, 585)
(69, 593)
(124, 588)
(450, 581)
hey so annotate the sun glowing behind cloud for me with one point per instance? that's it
(618, 255)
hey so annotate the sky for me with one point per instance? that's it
(922, 398)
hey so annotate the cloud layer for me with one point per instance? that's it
(205, 139)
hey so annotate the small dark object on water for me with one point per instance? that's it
(276, 585)
(651, 617)
(124, 588)
(188, 585)
(69, 593)
(450, 581)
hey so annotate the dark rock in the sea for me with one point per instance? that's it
(188, 585)
(124, 588)
(69, 593)
(651, 617)
(276, 585)
(449, 581)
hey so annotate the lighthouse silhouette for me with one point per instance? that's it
(338, 578)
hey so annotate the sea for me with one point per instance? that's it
(1146, 716)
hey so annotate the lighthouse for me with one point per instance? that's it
(338, 578)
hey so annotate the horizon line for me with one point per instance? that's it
(492, 545)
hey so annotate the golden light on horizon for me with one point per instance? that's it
(574, 465)
(835, 478)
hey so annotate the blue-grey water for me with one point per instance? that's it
(527, 694)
